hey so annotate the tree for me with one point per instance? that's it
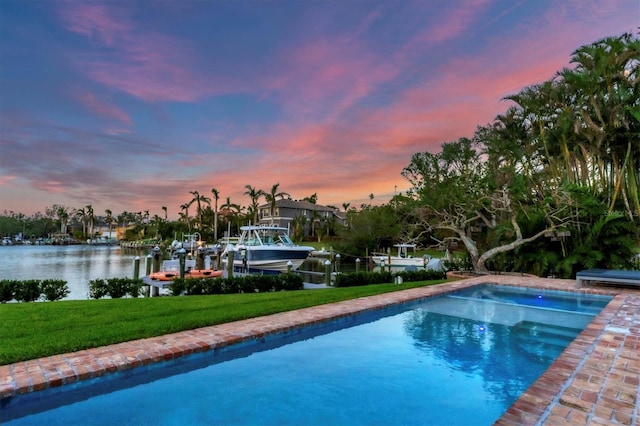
(372, 228)
(255, 195)
(230, 210)
(199, 200)
(90, 218)
(465, 200)
(164, 208)
(109, 219)
(216, 197)
(62, 213)
(81, 215)
(271, 198)
(313, 199)
(185, 216)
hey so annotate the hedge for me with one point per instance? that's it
(245, 284)
(32, 290)
(385, 277)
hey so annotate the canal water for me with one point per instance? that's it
(76, 264)
(79, 264)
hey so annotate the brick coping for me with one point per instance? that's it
(596, 380)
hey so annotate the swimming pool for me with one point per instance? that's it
(414, 363)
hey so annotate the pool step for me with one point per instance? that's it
(544, 330)
(543, 341)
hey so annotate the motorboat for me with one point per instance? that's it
(266, 249)
(403, 259)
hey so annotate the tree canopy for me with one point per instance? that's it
(562, 163)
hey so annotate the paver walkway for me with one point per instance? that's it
(595, 381)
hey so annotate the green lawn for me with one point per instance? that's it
(35, 330)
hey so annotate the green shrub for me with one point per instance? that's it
(421, 275)
(363, 278)
(54, 289)
(134, 288)
(178, 287)
(27, 290)
(98, 288)
(231, 285)
(7, 290)
(115, 288)
(244, 284)
(289, 281)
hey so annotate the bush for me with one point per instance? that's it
(178, 286)
(54, 289)
(363, 278)
(289, 281)
(97, 288)
(421, 275)
(245, 284)
(115, 288)
(27, 290)
(7, 290)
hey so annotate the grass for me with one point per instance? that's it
(35, 330)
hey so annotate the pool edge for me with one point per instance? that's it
(595, 380)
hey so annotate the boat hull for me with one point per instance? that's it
(399, 261)
(402, 263)
(270, 259)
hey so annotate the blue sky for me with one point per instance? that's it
(130, 105)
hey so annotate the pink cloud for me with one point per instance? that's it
(104, 109)
(98, 22)
(6, 179)
(331, 74)
(149, 66)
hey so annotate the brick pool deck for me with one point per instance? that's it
(595, 381)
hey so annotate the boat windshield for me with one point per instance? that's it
(284, 238)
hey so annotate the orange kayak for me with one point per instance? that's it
(203, 273)
(164, 275)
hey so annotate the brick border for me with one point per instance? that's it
(596, 380)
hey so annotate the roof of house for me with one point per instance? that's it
(302, 205)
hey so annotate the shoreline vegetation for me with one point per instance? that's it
(36, 330)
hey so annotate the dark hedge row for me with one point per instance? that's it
(385, 277)
(115, 288)
(245, 284)
(32, 290)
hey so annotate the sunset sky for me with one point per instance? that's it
(130, 105)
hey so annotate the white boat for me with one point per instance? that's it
(403, 259)
(266, 248)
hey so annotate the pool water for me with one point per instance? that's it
(462, 358)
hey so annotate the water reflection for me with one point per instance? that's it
(76, 264)
(79, 264)
(492, 351)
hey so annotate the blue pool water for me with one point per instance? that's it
(460, 359)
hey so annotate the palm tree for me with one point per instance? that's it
(165, 212)
(606, 94)
(199, 200)
(109, 219)
(255, 195)
(63, 215)
(81, 215)
(216, 197)
(271, 198)
(185, 217)
(90, 219)
(230, 210)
